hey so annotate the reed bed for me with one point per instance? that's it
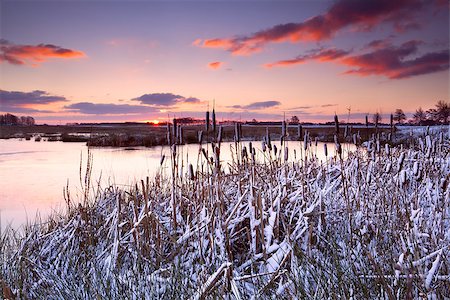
(372, 225)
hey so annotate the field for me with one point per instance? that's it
(375, 225)
(148, 135)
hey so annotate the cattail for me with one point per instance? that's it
(263, 146)
(217, 154)
(286, 154)
(339, 149)
(204, 153)
(175, 128)
(400, 161)
(416, 168)
(275, 149)
(200, 136)
(283, 128)
(250, 147)
(191, 172)
(169, 134)
(316, 141)
(180, 134)
(219, 137)
(236, 132)
(354, 139)
(336, 124)
(174, 150)
(169, 138)
(162, 159)
(325, 149)
(207, 121)
(367, 121)
(244, 152)
(402, 177)
(214, 120)
(269, 143)
(300, 132)
(428, 141)
(388, 168)
(305, 141)
(387, 149)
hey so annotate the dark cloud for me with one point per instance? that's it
(108, 108)
(164, 99)
(378, 44)
(320, 55)
(21, 54)
(258, 105)
(360, 14)
(22, 98)
(22, 102)
(22, 110)
(384, 59)
(396, 62)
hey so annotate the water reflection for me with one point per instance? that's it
(33, 175)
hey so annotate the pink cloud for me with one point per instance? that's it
(34, 54)
(215, 65)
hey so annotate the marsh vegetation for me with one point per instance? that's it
(372, 223)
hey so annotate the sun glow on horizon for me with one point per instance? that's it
(154, 121)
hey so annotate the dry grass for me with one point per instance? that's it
(372, 226)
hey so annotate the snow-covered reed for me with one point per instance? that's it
(374, 225)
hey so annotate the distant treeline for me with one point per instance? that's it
(440, 114)
(9, 119)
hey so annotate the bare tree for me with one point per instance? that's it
(419, 116)
(294, 120)
(399, 116)
(440, 113)
(443, 111)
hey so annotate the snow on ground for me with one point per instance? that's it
(374, 225)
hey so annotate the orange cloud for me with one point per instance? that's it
(360, 14)
(34, 54)
(215, 65)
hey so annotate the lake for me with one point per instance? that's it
(33, 174)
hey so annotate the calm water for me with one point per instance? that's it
(33, 174)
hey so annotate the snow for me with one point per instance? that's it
(262, 229)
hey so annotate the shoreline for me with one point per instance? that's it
(134, 135)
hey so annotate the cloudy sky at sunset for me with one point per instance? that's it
(80, 61)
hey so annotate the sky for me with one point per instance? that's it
(114, 61)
